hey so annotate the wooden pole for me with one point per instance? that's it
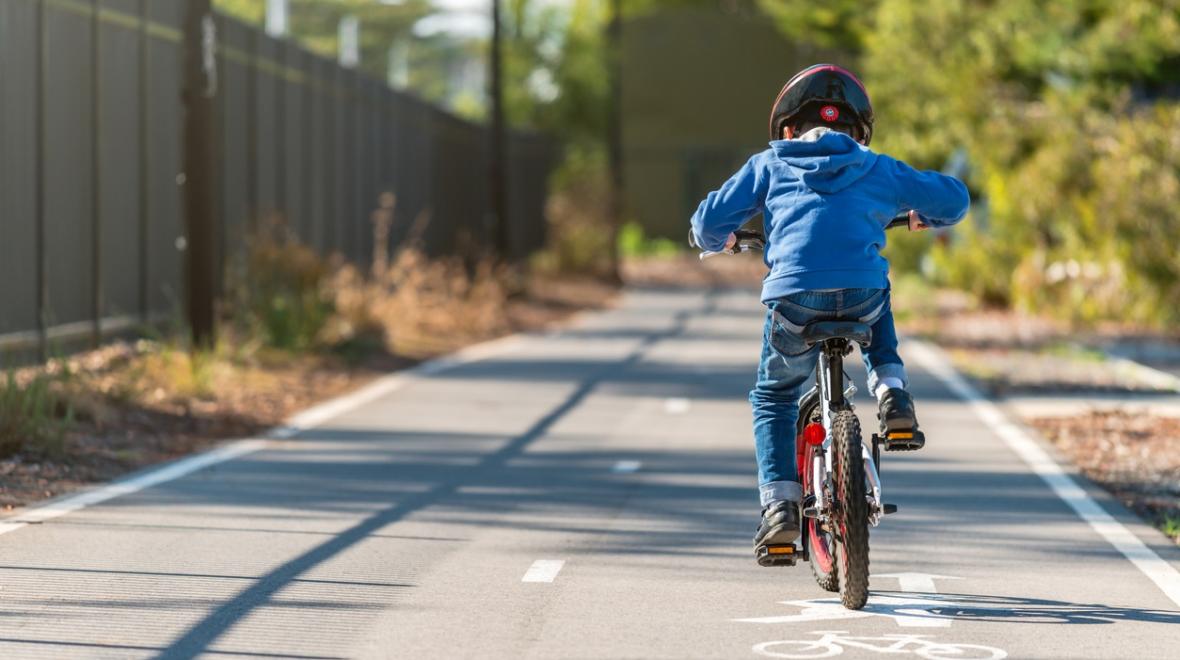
(199, 182)
(497, 173)
(614, 137)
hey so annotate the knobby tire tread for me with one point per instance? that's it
(853, 513)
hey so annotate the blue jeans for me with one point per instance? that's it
(787, 368)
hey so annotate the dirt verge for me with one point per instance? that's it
(135, 404)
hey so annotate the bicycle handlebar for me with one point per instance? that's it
(752, 239)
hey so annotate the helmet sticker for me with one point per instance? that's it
(829, 113)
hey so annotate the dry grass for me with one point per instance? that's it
(419, 306)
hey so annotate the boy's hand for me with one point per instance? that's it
(732, 240)
(916, 223)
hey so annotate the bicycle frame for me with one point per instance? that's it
(835, 397)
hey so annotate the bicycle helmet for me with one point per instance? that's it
(823, 94)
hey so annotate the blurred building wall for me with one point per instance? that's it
(300, 140)
(697, 89)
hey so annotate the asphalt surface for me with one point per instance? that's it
(584, 494)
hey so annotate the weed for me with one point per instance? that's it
(33, 417)
(1171, 526)
(634, 243)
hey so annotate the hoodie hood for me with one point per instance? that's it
(826, 161)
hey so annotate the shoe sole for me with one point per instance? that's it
(901, 423)
(779, 535)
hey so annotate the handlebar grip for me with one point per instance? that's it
(900, 221)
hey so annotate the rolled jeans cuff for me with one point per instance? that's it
(893, 370)
(776, 491)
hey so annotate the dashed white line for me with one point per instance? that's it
(626, 467)
(676, 406)
(1136, 551)
(543, 570)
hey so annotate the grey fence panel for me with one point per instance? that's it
(236, 149)
(19, 45)
(119, 162)
(290, 120)
(68, 171)
(317, 173)
(165, 230)
(265, 112)
(91, 158)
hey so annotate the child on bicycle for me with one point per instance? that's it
(825, 199)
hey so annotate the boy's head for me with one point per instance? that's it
(822, 95)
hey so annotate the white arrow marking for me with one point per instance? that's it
(543, 570)
(922, 583)
(676, 406)
(906, 612)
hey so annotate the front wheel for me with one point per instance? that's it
(851, 515)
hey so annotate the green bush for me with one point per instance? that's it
(279, 291)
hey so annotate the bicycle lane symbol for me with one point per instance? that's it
(834, 642)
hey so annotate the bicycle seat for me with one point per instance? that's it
(821, 331)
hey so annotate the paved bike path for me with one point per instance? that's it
(584, 494)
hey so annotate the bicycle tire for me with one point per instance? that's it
(852, 514)
(819, 540)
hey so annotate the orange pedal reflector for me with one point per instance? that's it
(900, 435)
(780, 549)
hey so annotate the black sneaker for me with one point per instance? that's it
(899, 423)
(779, 526)
(897, 411)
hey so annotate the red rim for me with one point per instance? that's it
(821, 554)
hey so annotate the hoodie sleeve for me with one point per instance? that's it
(725, 210)
(940, 199)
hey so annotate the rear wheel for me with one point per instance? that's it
(820, 540)
(851, 515)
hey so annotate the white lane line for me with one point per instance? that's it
(626, 467)
(1144, 558)
(309, 418)
(543, 570)
(677, 406)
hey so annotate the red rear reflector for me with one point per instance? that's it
(813, 434)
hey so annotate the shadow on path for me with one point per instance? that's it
(199, 637)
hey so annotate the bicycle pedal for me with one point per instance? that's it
(776, 555)
(888, 508)
(902, 440)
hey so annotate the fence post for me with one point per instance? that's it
(199, 182)
(497, 175)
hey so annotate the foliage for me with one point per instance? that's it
(33, 416)
(279, 291)
(634, 243)
(579, 237)
(1068, 114)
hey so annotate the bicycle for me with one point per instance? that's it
(839, 474)
(834, 642)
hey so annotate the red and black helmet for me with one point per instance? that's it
(823, 94)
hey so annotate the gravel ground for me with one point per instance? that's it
(1135, 457)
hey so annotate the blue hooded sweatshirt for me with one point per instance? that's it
(825, 201)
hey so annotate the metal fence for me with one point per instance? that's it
(91, 231)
